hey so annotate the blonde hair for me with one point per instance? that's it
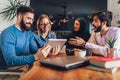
(38, 22)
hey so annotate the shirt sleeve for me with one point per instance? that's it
(34, 44)
(103, 50)
(9, 52)
(95, 48)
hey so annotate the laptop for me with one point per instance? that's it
(65, 63)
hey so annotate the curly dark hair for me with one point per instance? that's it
(23, 9)
(104, 15)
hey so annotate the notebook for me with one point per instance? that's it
(98, 68)
(65, 63)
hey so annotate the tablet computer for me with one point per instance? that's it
(54, 42)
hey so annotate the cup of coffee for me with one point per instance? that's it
(80, 53)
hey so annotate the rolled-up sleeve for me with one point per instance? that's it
(104, 49)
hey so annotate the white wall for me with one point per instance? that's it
(5, 23)
(115, 8)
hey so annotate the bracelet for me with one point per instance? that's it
(83, 45)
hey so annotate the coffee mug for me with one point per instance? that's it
(81, 53)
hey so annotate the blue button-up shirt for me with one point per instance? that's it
(42, 41)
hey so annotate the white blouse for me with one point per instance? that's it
(98, 45)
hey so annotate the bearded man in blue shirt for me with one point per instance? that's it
(17, 44)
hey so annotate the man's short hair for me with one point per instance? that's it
(24, 9)
(104, 15)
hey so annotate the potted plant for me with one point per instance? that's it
(9, 12)
(111, 42)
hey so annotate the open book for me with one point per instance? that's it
(105, 62)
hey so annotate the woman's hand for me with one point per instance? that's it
(55, 50)
(76, 41)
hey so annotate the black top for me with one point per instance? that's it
(83, 33)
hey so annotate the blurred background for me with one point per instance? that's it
(63, 12)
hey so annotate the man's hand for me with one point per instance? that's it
(46, 50)
(76, 41)
(42, 52)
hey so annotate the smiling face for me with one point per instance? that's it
(27, 21)
(76, 25)
(45, 25)
(97, 24)
(102, 20)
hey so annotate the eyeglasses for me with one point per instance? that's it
(45, 25)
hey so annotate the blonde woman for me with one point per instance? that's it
(44, 32)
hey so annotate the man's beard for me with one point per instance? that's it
(23, 25)
(98, 29)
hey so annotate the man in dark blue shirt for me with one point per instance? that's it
(17, 45)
